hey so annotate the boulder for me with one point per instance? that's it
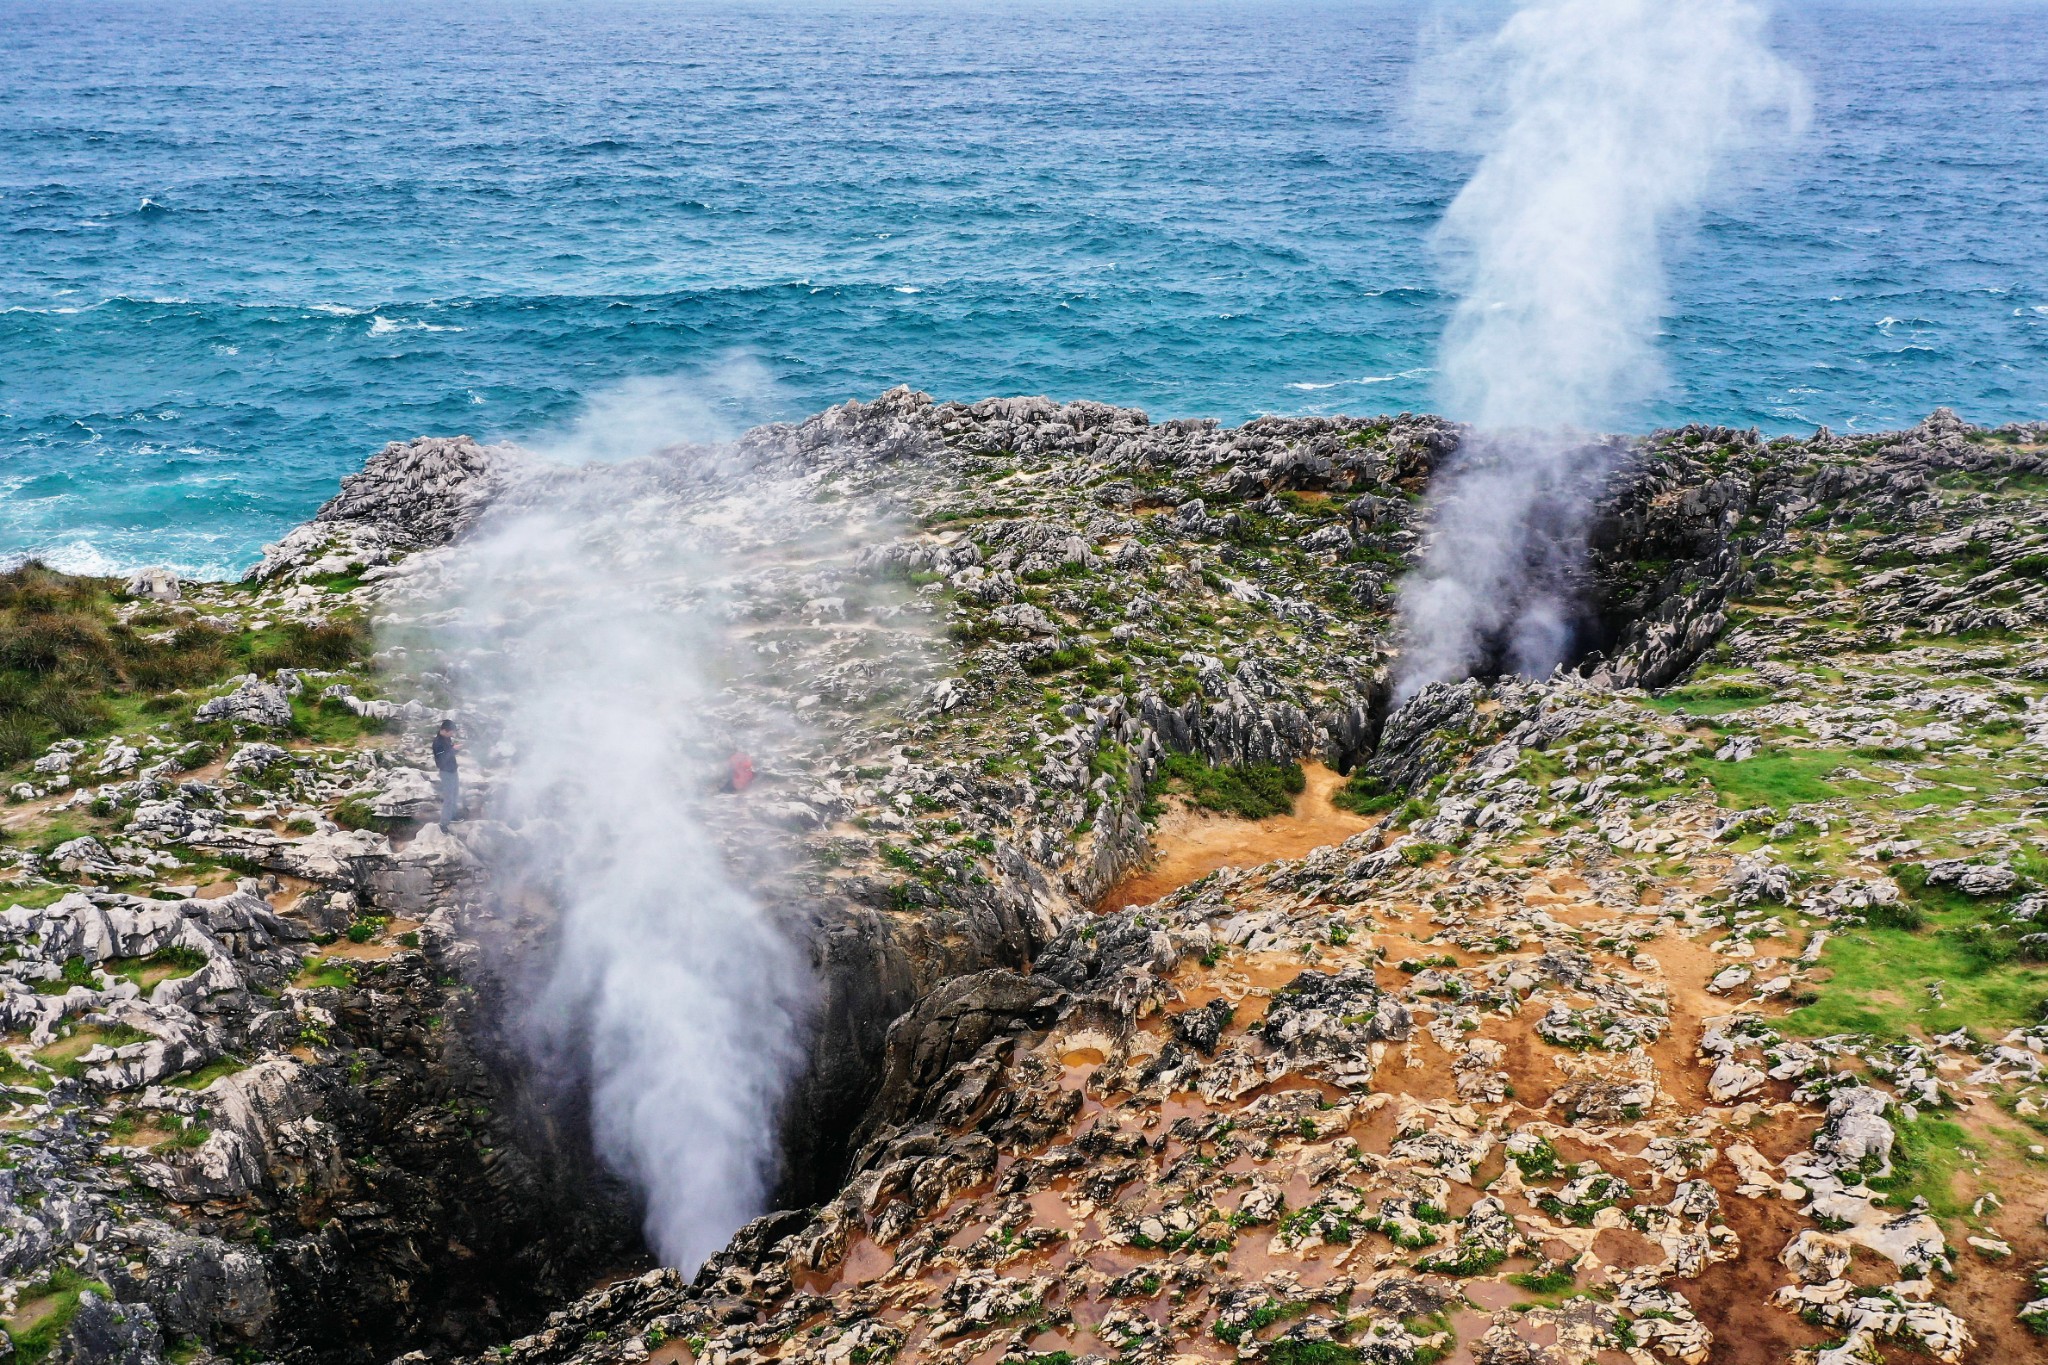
(253, 704)
(157, 583)
(406, 794)
(1972, 879)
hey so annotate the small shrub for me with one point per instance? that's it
(1554, 1280)
(77, 972)
(355, 813)
(1899, 914)
(1059, 660)
(1984, 944)
(1364, 794)
(332, 644)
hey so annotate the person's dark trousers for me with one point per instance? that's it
(451, 795)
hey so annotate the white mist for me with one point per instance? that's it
(591, 642)
(1602, 126)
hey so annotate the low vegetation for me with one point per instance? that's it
(78, 659)
(1249, 791)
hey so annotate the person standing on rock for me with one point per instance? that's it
(445, 749)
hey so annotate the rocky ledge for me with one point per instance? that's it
(1697, 1023)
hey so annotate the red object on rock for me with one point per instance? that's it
(742, 772)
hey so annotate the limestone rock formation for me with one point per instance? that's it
(1640, 1022)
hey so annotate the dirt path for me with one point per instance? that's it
(1190, 844)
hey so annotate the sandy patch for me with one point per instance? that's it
(1190, 844)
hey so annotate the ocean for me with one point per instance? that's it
(247, 244)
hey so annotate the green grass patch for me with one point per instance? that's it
(63, 1056)
(334, 644)
(1297, 1351)
(331, 722)
(1711, 698)
(1060, 660)
(76, 972)
(1881, 979)
(1780, 779)
(211, 1072)
(1365, 794)
(1925, 1162)
(35, 897)
(326, 973)
(165, 965)
(69, 667)
(46, 1309)
(1552, 1282)
(1251, 791)
(355, 813)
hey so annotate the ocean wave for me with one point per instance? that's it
(1364, 380)
(79, 557)
(382, 326)
(1059, 269)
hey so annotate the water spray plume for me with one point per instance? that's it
(591, 640)
(1602, 126)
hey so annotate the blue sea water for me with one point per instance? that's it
(246, 244)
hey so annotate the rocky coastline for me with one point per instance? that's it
(1682, 1006)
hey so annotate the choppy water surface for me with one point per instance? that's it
(244, 246)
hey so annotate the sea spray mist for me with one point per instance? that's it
(595, 625)
(1601, 127)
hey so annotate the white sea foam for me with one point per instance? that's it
(79, 557)
(382, 326)
(1363, 381)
